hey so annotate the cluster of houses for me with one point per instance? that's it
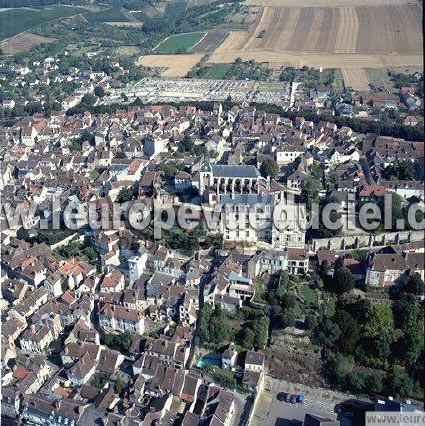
(63, 291)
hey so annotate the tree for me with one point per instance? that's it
(375, 350)
(99, 91)
(415, 285)
(350, 331)
(374, 384)
(171, 168)
(287, 318)
(247, 338)
(121, 342)
(406, 312)
(204, 319)
(398, 383)
(283, 284)
(22, 234)
(379, 320)
(186, 145)
(261, 328)
(119, 385)
(126, 194)
(413, 343)
(90, 253)
(342, 282)
(400, 170)
(327, 333)
(310, 189)
(334, 177)
(269, 167)
(88, 100)
(76, 146)
(310, 321)
(99, 380)
(397, 209)
(337, 368)
(223, 377)
(356, 380)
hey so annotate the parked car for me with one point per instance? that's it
(301, 398)
(293, 399)
(281, 396)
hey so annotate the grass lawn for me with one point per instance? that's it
(15, 21)
(259, 292)
(179, 43)
(329, 304)
(308, 294)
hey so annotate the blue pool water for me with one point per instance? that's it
(208, 361)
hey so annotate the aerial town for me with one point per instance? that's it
(208, 251)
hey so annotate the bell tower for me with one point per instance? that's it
(205, 173)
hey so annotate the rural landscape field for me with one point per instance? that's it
(352, 36)
(14, 21)
(331, 34)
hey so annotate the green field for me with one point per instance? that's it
(379, 77)
(179, 43)
(216, 71)
(15, 21)
(109, 15)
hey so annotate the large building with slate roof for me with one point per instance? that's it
(217, 180)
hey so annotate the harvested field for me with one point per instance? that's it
(395, 29)
(399, 29)
(325, 3)
(176, 65)
(232, 43)
(355, 78)
(210, 42)
(23, 42)
(342, 60)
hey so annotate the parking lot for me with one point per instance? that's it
(269, 411)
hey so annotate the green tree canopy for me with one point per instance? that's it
(379, 320)
(342, 281)
(415, 284)
(126, 194)
(269, 167)
(99, 91)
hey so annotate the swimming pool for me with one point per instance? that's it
(208, 361)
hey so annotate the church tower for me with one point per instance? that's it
(205, 173)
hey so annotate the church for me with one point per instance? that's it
(239, 189)
(217, 180)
